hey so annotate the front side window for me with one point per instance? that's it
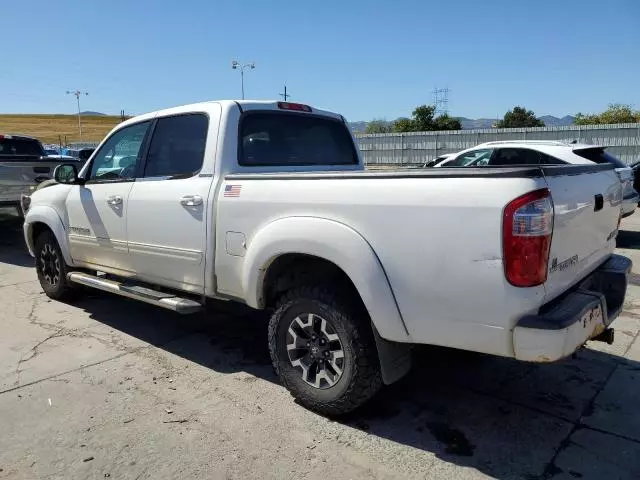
(473, 158)
(177, 146)
(120, 155)
(288, 139)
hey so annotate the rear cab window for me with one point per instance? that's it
(294, 139)
(18, 146)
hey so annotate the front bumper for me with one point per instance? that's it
(629, 204)
(564, 325)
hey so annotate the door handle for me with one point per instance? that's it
(114, 200)
(191, 200)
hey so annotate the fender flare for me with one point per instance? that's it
(334, 242)
(48, 216)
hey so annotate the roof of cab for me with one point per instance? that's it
(204, 106)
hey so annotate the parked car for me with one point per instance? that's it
(268, 204)
(636, 175)
(23, 165)
(438, 160)
(630, 196)
(541, 152)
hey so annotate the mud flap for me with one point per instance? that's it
(395, 358)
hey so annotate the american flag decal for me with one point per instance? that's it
(232, 190)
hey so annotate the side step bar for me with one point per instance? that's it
(160, 299)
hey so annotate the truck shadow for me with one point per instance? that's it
(628, 239)
(12, 248)
(504, 418)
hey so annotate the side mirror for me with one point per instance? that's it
(66, 173)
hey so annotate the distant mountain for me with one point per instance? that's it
(359, 127)
(470, 123)
(89, 112)
(551, 121)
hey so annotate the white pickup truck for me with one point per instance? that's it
(268, 204)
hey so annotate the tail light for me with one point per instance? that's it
(527, 227)
(297, 107)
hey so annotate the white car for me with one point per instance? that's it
(268, 204)
(541, 152)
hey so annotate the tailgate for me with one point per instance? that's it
(586, 213)
(16, 176)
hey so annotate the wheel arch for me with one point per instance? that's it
(40, 218)
(329, 243)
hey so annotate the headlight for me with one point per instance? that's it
(25, 203)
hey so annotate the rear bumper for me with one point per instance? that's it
(564, 325)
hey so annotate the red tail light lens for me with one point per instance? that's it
(527, 226)
(297, 107)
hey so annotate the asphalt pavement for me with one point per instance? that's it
(111, 388)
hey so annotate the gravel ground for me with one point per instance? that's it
(111, 388)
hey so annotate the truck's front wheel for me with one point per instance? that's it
(324, 351)
(51, 268)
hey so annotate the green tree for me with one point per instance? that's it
(423, 121)
(519, 117)
(378, 126)
(445, 122)
(423, 118)
(616, 113)
(402, 125)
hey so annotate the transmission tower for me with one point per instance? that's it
(441, 100)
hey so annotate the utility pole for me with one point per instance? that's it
(285, 95)
(441, 100)
(77, 94)
(238, 66)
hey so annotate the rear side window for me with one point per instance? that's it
(288, 139)
(177, 146)
(20, 146)
(515, 156)
(599, 155)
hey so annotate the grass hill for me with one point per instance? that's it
(49, 128)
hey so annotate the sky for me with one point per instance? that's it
(364, 59)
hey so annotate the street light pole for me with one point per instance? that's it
(235, 65)
(77, 94)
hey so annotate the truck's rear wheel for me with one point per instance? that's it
(51, 267)
(324, 351)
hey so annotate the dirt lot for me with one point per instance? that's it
(51, 128)
(110, 388)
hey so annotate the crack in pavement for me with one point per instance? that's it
(100, 362)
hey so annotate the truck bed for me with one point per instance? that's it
(438, 236)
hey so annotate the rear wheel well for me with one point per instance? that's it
(294, 270)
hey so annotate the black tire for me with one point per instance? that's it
(51, 268)
(360, 376)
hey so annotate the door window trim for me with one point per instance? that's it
(147, 145)
(144, 146)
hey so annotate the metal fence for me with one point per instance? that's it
(419, 147)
